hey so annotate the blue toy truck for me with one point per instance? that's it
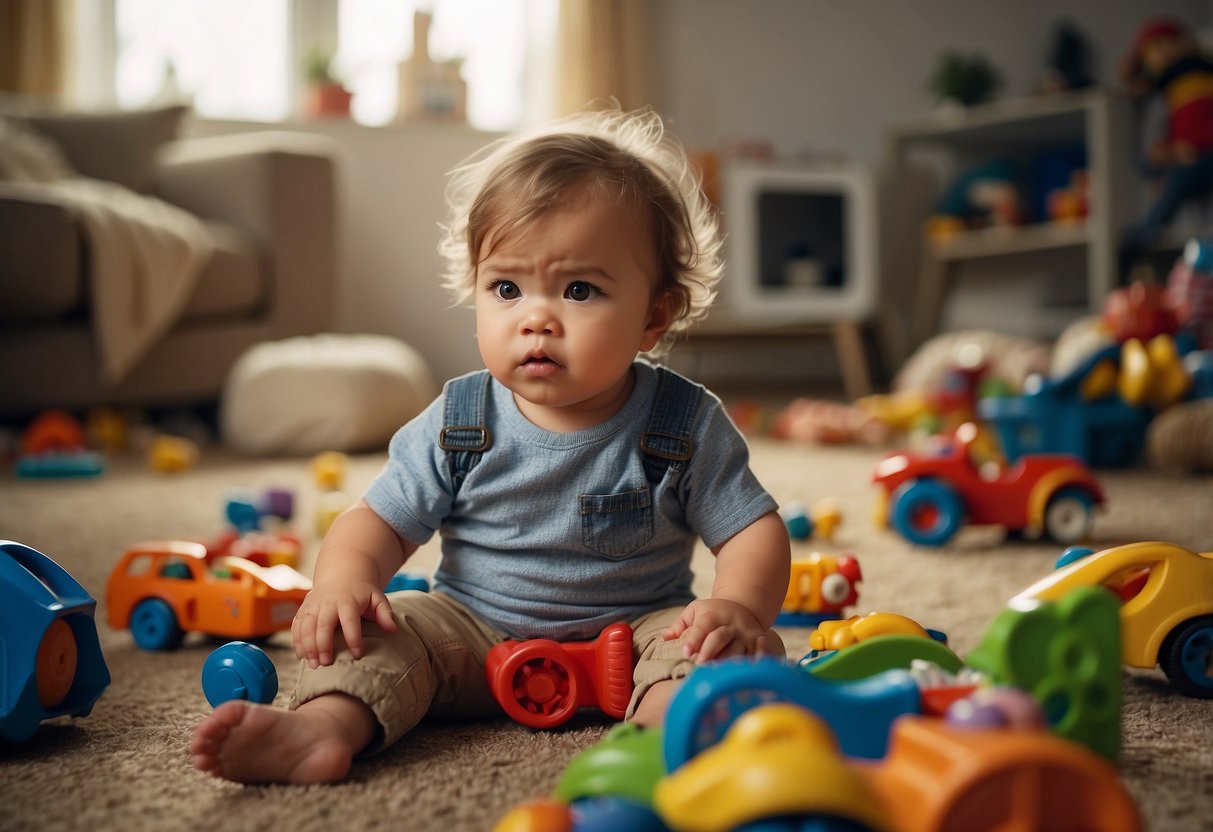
(50, 657)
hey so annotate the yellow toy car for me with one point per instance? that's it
(1166, 613)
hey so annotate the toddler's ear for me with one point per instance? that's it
(661, 315)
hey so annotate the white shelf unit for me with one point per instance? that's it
(922, 155)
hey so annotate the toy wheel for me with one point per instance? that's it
(56, 663)
(1068, 515)
(154, 626)
(537, 689)
(1187, 657)
(927, 512)
(714, 697)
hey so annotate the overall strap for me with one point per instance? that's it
(666, 445)
(465, 434)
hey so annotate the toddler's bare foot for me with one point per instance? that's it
(252, 743)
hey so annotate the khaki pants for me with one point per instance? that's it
(434, 664)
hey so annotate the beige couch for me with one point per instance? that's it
(267, 202)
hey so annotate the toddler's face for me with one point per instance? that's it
(564, 305)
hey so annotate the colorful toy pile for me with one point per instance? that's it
(891, 730)
(761, 744)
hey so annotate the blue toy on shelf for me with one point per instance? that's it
(50, 657)
(239, 670)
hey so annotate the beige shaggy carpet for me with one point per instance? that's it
(125, 767)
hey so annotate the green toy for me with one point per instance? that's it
(626, 763)
(1067, 655)
(878, 654)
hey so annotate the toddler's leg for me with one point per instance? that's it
(315, 743)
(433, 662)
(661, 666)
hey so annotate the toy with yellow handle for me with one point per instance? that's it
(776, 761)
(835, 635)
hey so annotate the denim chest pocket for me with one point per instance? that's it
(616, 525)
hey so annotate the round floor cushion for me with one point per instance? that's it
(323, 393)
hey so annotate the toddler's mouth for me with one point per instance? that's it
(540, 365)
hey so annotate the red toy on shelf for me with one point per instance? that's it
(541, 683)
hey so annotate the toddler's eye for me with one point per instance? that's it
(506, 290)
(580, 290)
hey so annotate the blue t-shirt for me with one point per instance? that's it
(557, 535)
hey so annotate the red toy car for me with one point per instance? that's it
(927, 497)
(541, 683)
(163, 589)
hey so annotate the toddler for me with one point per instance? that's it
(568, 481)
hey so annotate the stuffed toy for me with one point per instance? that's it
(1165, 60)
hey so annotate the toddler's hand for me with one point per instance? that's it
(713, 628)
(343, 603)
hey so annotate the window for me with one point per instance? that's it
(243, 59)
(229, 56)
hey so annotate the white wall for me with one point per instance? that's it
(826, 76)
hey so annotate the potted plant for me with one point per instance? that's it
(327, 96)
(965, 79)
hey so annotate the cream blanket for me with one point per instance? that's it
(145, 255)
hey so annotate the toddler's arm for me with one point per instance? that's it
(357, 559)
(752, 570)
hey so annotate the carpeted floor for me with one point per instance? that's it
(126, 768)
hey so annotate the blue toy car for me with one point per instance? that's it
(50, 657)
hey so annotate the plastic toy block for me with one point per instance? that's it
(541, 683)
(714, 696)
(626, 763)
(50, 657)
(172, 454)
(878, 654)
(796, 520)
(242, 512)
(328, 470)
(1067, 655)
(941, 778)
(407, 580)
(239, 670)
(776, 761)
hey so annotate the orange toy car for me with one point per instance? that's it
(163, 589)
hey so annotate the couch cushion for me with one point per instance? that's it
(41, 247)
(234, 281)
(118, 146)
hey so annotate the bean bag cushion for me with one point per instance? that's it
(324, 392)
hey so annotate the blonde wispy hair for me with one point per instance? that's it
(512, 181)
